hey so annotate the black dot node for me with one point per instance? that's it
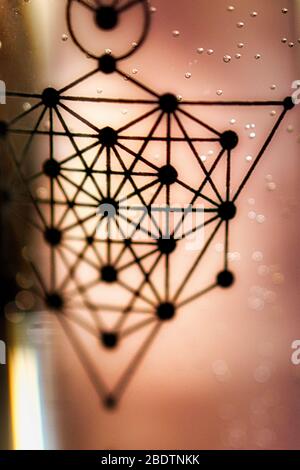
(168, 103)
(53, 236)
(288, 103)
(51, 168)
(167, 175)
(110, 402)
(90, 240)
(109, 340)
(109, 274)
(166, 245)
(227, 210)
(165, 311)
(50, 97)
(107, 63)
(106, 17)
(108, 207)
(88, 171)
(108, 137)
(229, 140)
(225, 279)
(54, 301)
(3, 128)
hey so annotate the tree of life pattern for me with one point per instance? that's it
(109, 218)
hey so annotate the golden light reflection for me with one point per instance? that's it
(25, 399)
(40, 17)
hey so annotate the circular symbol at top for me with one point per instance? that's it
(107, 17)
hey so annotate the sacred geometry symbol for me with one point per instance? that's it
(106, 210)
(108, 17)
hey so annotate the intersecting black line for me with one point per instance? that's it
(166, 109)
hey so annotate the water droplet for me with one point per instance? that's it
(219, 92)
(260, 218)
(271, 186)
(284, 10)
(227, 58)
(240, 24)
(263, 270)
(230, 8)
(252, 215)
(41, 192)
(249, 158)
(26, 106)
(135, 71)
(210, 51)
(254, 14)
(273, 87)
(235, 256)
(219, 247)
(221, 370)
(200, 50)
(175, 33)
(153, 9)
(64, 37)
(257, 256)
(238, 56)
(255, 303)
(284, 40)
(188, 75)
(240, 45)
(257, 56)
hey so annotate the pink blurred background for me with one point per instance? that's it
(220, 375)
